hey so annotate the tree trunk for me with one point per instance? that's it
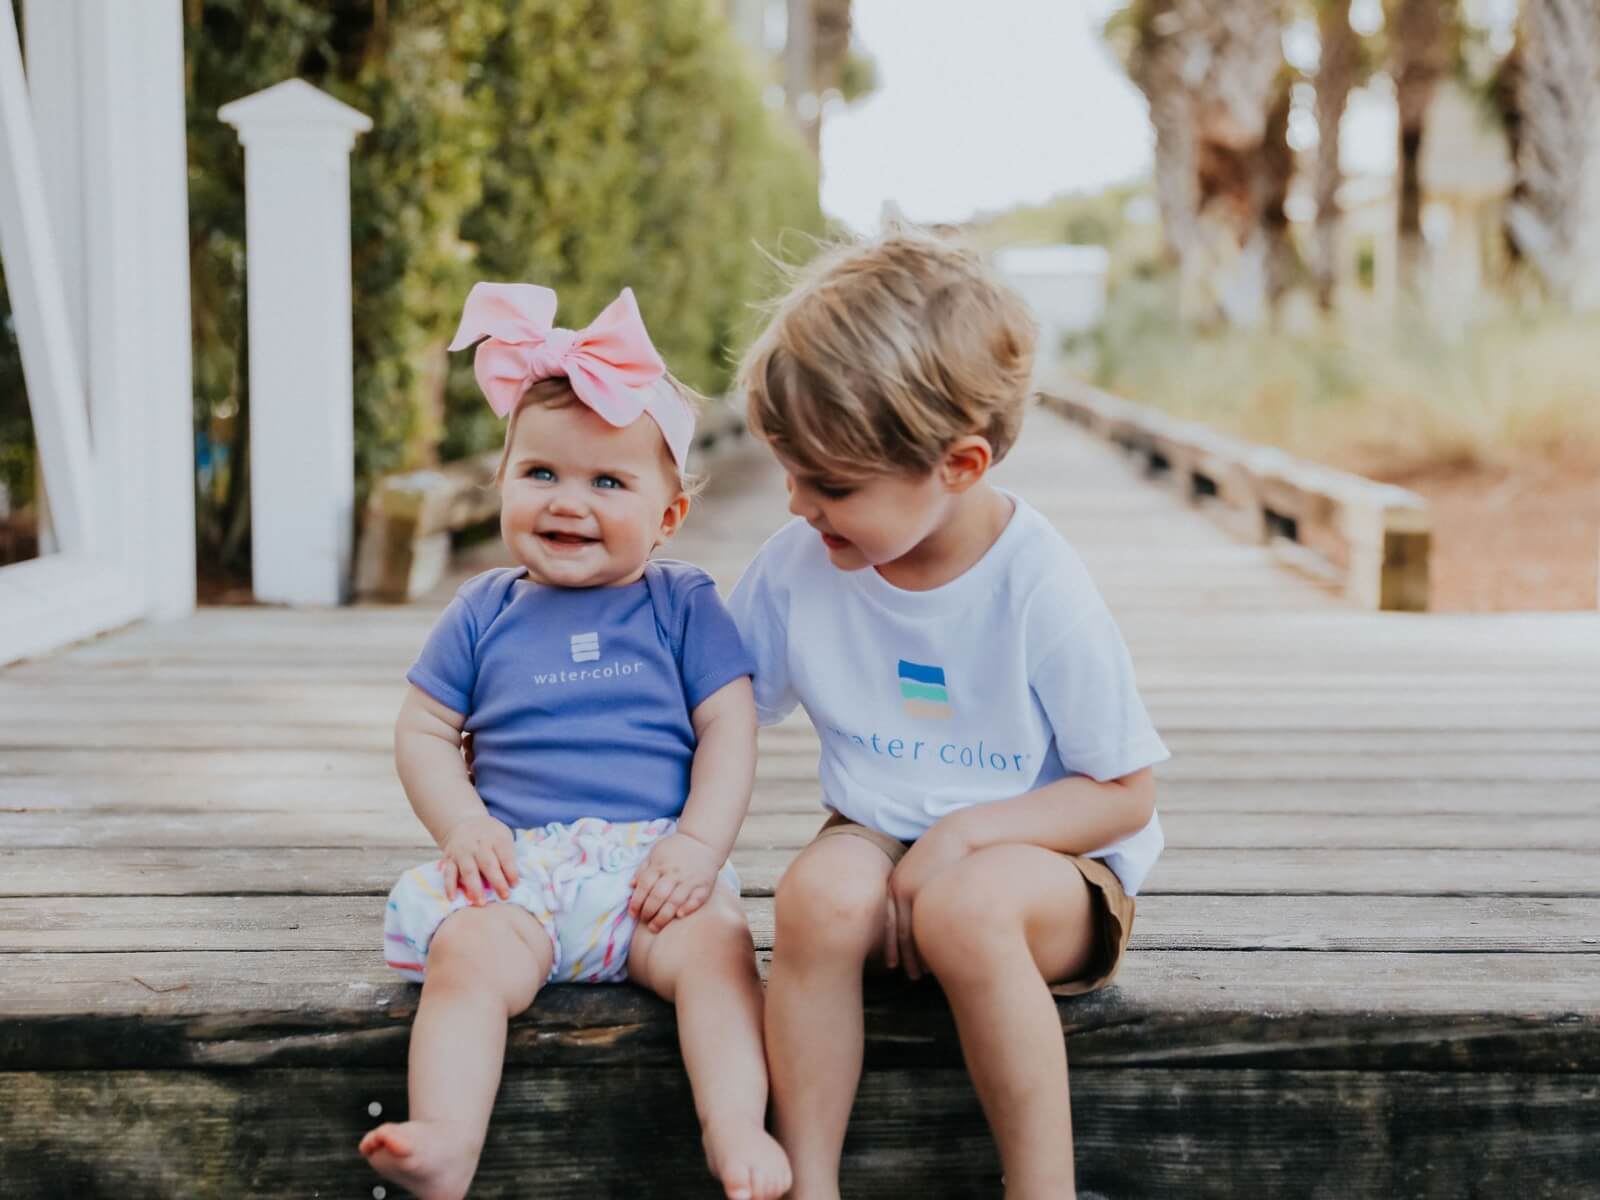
(1336, 73)
(1207, 68)
(1421, 47)
(1555, 214)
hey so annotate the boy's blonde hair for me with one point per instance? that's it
(884, 353)
(556, 392)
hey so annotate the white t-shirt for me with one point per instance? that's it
(1007, 678)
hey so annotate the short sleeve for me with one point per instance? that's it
(447, 667)
(764, 627)
(1087, 689)
(713, 655)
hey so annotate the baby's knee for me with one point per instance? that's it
(499, 949)
(818, 910)
(721, 933)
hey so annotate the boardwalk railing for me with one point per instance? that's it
(1372, 539)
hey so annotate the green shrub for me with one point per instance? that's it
(582, 144)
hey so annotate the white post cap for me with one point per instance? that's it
(293, 108)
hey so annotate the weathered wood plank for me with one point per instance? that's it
(1198, 1133)
(1535, 721)
(1267, 762)
(371, 871)
(305, 728)
(1418, 924)
(333, 827)
(177, 791)
(1517, 1012)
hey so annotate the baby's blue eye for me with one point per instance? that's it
(542, 474)
(607, 481)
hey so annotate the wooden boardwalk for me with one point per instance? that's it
(1368, 965)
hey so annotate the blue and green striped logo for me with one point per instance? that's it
(924, 692)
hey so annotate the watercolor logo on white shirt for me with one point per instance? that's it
(585, 647)
(922, 687)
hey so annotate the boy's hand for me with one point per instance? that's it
(479, 849)
(930, 854)
(675, 880)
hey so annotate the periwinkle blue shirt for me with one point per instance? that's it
(578, 699)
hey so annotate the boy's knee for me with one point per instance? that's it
(959, 927)
(818, 908)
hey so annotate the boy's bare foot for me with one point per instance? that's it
(434, 1159)
(748, 1161)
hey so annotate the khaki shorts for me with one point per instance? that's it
(1113, 907)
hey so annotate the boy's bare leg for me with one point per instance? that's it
(830, 920)
(992, 928)
(485, 965)
(705, 964)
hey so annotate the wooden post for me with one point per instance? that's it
(297, 144)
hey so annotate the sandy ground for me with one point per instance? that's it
(1514, 540)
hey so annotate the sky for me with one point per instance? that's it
(980, 107)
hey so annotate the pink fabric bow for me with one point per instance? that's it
(610, 364)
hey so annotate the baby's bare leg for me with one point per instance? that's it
(992, 928)
(830, 920)
(485, 965)
(705, 964)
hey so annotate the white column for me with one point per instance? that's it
(45, 331)
(106, 78)
(302, 440)
(154, 53)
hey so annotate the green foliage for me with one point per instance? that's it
(582, 144)
(16, 430)
(1085, 218)
(1379, 391)
(639, 155)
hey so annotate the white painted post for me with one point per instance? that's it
(40, 309)
(106, 79)
(297, 144)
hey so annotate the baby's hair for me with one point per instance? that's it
(884, 353)
(556, 392)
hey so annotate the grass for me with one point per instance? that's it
(1386, 397)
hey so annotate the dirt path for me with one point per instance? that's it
(1513, 540)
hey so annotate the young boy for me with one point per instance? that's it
(985, 753)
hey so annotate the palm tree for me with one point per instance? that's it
(1555, 214)
(1210, 70)
(1422, 45)
(1154, 52)
(1338, 65)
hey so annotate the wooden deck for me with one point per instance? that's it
(1368, 965)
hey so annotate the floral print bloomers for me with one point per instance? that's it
(576, 880)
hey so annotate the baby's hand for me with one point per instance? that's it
(675, 880)
(479, 849)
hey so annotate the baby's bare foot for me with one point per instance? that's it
(434, 1159)
(748, 1161)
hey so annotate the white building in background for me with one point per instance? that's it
(1064, 285)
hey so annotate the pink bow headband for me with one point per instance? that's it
(610, 364)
